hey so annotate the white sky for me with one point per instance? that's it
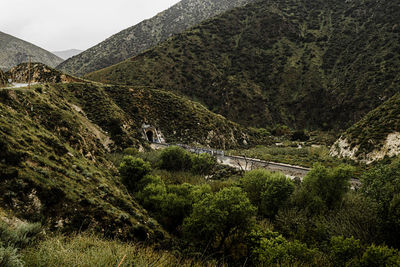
(65, 24)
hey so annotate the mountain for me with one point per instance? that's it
(146, 34)
(375, 136)
(67, 53)
(306, 64)
(14, 51)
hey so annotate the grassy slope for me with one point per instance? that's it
(14, 51)
(53, 169)
(146, 34)
(307, 64)
(371, 131)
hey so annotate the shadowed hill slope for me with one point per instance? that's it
(14, 51)
(306, 64)
(146, 34)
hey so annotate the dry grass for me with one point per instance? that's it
(89, 250)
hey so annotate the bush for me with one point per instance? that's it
(132, 170)
(21, 236)
(9, 257)
(203, 163)
(344, 250)
(324, 188)
(276, 250)
(153, 193)
(215, 219)
(268, 191)
(380, 256)
(175, 158)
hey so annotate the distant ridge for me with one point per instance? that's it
(65, 54)
(14, 51)
(146, 34)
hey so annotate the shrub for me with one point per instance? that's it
(203, 163)
(324, 188)
(9, 257)
(132, 170)
(343, 250)
(268, 191)
(216, 218)
(274, 249)
(380, 256)
(21, 236)
(175, 159)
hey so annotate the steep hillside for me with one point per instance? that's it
(39, 73)
(122, 111)
(375, 136)
(53, 169)
(3, 79)
(307, 64)
(14, 51)
(146, 34)
(67, 53)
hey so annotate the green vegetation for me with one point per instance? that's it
(267, 191)
(305, 64)
(302, 156)
(142, 36)
(54, 170)
(372, 130)
(89, 250)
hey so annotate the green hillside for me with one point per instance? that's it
(306, 64)
(148, 33)
(14, 51)
(53, 169)
(56, 138)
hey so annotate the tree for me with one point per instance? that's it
(324, 188)
(132, 170)
(217, 219)
(175, 158)
(382, 185)
(268, 191)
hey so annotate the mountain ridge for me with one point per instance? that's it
(142, 36)
(269, 62)
(14, 51)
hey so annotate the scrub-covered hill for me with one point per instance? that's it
(375, 136)
(54, 169)
(307, 64)
(146, 34)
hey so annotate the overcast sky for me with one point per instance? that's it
(65, 24)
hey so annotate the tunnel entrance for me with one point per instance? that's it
(150, 136)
